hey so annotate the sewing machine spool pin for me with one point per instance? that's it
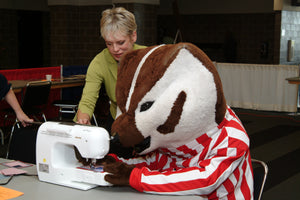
(93, 163)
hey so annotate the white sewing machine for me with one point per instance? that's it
(55, 155)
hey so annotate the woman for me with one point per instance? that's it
(118, 29)
(10, 97)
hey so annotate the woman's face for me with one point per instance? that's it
(118, 44)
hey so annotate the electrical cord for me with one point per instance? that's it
(11, 177)
(5, 183)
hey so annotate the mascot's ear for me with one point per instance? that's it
(221, 102)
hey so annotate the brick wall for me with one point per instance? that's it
(251, 34)
(72, 34)
(19, 45)
(8, 39)
(75, 31)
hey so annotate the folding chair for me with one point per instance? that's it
(34, 100)
(260, 171)
(2, 136)
(22, 143)
(65, 106)
(69, 107)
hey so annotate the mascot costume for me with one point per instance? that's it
(186, 140)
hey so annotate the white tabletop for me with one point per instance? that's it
(35, 189)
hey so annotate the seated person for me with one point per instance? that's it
(7, 94)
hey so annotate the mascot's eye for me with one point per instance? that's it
(145, 106)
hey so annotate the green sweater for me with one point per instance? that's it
(102, 69)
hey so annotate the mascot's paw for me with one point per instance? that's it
(119, 172)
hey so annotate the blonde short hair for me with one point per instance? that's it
(117, 20)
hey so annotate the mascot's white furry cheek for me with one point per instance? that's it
(186, 81)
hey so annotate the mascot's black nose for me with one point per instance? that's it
(142, 145)
(117, 148)
(115, 139)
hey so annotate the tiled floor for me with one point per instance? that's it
(275, 139)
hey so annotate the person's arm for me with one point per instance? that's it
(89, 97)
(13, 102)
(90, 93)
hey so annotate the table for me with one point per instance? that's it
(35, 189)
(293, 80)
(18, 85)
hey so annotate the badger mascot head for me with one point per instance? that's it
(172, 112)
(167, 96)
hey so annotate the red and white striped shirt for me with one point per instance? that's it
(216, 165)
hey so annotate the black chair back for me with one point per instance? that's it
(36, 94)
(34, 100)
(22, 143)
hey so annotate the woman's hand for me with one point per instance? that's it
(83, 118)
(23, 118)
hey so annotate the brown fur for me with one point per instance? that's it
(174, 117)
